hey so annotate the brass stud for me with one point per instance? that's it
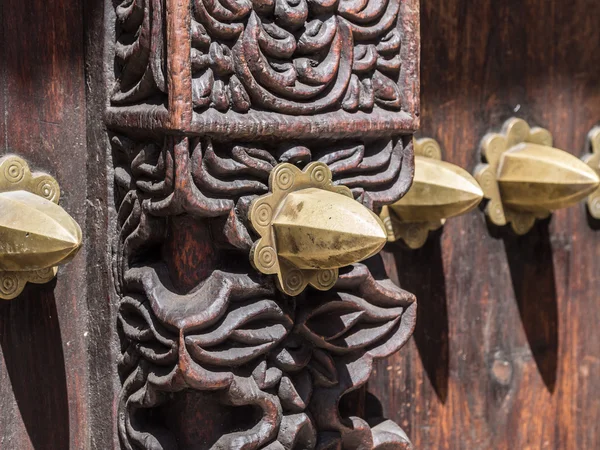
(525, 178)
(593, 161)
(440, 190)
(36, 234)
(309, 228)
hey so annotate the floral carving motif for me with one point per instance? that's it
(297, 57)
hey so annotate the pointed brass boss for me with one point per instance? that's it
(525, 178)
(309, 228)
(440, 190)
(36, 234)
(593, 161)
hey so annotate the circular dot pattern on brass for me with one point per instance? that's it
(326, 278)
(15, 171)
(263, 214)
(319, 175)
(48, 188)
(9, 283)
(294, 280)
(284, 178)
(267, 257)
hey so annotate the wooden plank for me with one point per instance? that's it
(44, 333)
(507, 341)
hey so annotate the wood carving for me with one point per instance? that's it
(209, 96)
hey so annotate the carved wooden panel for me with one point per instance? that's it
(208, 97)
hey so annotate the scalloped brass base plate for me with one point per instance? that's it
(413, 234)
(13, 283)
(440, 190)
(593, 160)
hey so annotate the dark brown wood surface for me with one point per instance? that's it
(506, 353)
(43, 120)
(50, 350)
(208, 101)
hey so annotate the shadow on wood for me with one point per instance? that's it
(422, 273)
(32, 348)
(592, 222)
(532, 273)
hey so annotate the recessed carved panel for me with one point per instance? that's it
(295, 57)
(304, 67)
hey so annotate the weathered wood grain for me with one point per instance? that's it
(43, 105)
(48, 335)
(507, 343)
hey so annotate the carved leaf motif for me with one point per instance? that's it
(140, 326)
(348, 324)
(293, 355)
(241, 171)
(388, 435)
(244, 333)
(333, 319)
(387, 93)
(297, 432)
(295, 392)
(139, 51)
(323, 368)
(266, 377)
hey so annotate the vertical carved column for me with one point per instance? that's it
(208, 97)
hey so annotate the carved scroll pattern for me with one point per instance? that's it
(139, 52)
(296, 56)
(232, 332)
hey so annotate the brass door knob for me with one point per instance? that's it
(309, 228)
(593, 161)
(36, 234)
(440, 190)
(525, 178)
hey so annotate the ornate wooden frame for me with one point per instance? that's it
(208, 96)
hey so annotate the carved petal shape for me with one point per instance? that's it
(318, 229)
(388, 435)
(236, 339)
(35, 233)
(323, 369)
(297, 431)
(333, 319)
(348, 331)
(295, 392)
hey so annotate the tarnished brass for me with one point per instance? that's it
(593, 160)
(526, 179)
(36, 234)
(440, 190)
(310, 228)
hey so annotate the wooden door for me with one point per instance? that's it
(506, 343)
(164, 120)
(168, 124)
